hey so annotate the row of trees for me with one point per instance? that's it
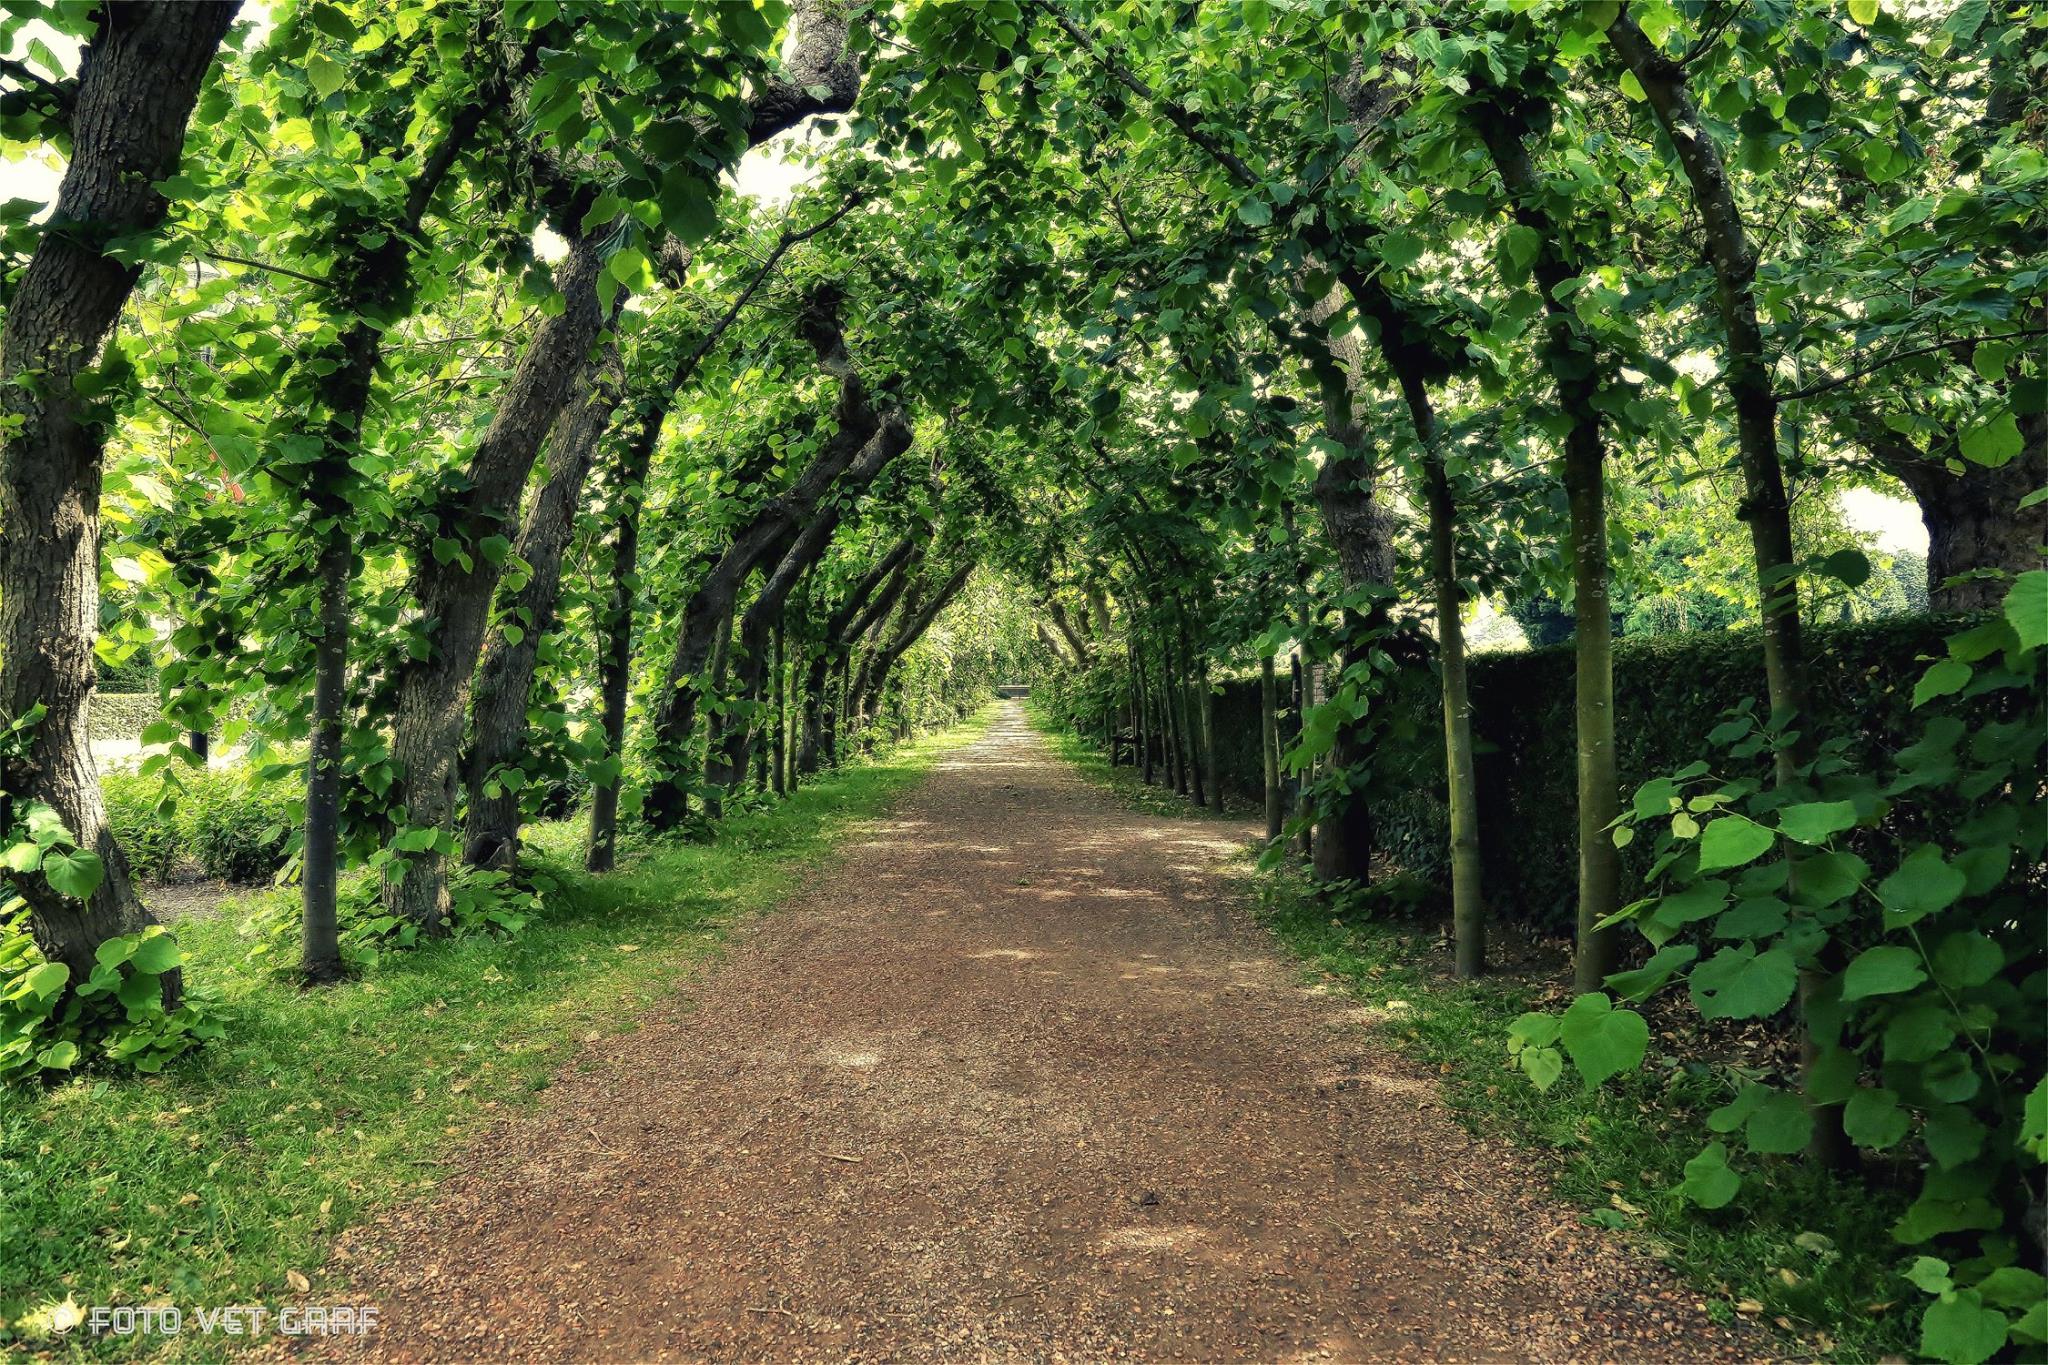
(1227, 333)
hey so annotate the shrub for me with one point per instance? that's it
(144, 820)
(218, 822)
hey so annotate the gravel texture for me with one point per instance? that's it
(1011, 1081)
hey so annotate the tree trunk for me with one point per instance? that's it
(847, 623)
(1468, 915)
(505, 679)
(615, 657)
(771, 527)
(455, 576)
(891, 439)
(1978, 536)
(1764, 506)
(780, 757)
(1269, 745)
(1206, 694)
(914, 625)
(721, 660)
(320, 928)
(376, 283)
(1575, 371)
(138, 80)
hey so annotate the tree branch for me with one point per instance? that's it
(1874, 366)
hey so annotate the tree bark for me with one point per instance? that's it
(857, 421)
(139, 77)
(1977, 534)
(1575, 371)
(780, 754)
(1764, 505)
(1269, 745)
(890, 440)
(504, 684)
(454, 577)
(374, 287)
(912, 628)
(848, 621)
(1207, 694)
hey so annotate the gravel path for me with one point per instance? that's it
(1010, 1082)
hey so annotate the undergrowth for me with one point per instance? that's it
(1808, 1253)
(218, 1180)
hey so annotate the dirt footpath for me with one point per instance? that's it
(1010, 1082)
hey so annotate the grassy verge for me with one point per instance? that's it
(1810, 1254)
(220, 1180)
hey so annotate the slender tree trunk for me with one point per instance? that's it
(1468, 915)
(1169, 730)
(891, 438)
(767, 533)
(138, 80)
(615, 655)
(1206, 699)
(781, 743)
(1764, 505)
(1575, 370)
(320, 959)
(1269, 744)
(714, 733)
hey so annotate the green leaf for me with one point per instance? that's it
(2033, 1138)
(46, 980)
(1543, 1065)
(1780, 1125)
(1601, 1040)
(1952, 1136)
(58, 1056)
(1918, 1033)
(1929, 1275)
(1993, 442)
(1957, 1328)
(1255, 212)
(1649, 978)
(1873, 1119)
(73, 872)
(1732, 841)
(1850, 567)
(1740, 983)
(1924, 884)
(2026, 606)
(1709, 1182)
(156, 954)
(25, 856)
(2013, 1286)
(1967, 959)
(1815, 821)
(1633, 89)
(325, 74)
(1886, 969)
(1945, 677)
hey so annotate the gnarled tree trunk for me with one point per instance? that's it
(505, 679)
(138, 80)
(454, 592)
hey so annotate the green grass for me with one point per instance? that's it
(1617, 1154)
(209, 1184)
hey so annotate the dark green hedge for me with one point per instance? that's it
(1670, 690)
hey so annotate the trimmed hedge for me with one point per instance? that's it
(1669, 691)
